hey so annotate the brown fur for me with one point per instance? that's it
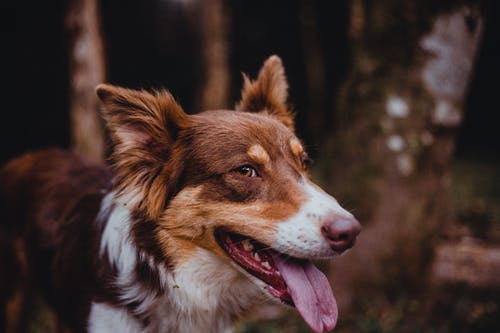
(144, 127)
(268, 93)
(176, 173)
(53, 175)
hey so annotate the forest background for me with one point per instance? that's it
(395, 100)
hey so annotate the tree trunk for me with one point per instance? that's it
(213, 31)
(398, 115)
(87, 69)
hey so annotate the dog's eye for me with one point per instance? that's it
(247, 171)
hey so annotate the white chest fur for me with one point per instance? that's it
(204, 294)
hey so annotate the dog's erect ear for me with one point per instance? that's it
(144, 127)
(137, 117)
(268, 93)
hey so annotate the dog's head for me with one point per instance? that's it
(234, 182)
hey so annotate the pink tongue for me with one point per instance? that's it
(310, 292)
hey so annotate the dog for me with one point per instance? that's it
(199, 219)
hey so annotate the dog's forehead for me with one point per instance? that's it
(257, 134)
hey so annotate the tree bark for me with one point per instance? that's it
(87, 69)
(213, 31)
(398, 116)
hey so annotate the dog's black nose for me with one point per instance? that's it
(341, 233)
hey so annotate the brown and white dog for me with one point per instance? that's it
(202, 218)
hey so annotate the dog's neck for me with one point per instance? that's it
(204, 293)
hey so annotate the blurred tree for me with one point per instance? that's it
(314, 66)
(213, 30)
(398, 115)
(87, 69)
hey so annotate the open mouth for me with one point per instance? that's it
(256, 259)
(296, 282)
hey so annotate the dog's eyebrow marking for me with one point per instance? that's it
(296, 147)
(258, 154)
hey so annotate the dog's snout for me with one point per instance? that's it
(341, 233)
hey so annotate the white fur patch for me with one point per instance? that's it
(204, 293)
(105, 318)
(201, 295)
(120, 251)
(211, 284)
(300, 236)
(115, 240)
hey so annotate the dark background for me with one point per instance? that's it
(155, 44)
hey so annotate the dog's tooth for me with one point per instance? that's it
(266, 265)
(256, 256)
(247, 246)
